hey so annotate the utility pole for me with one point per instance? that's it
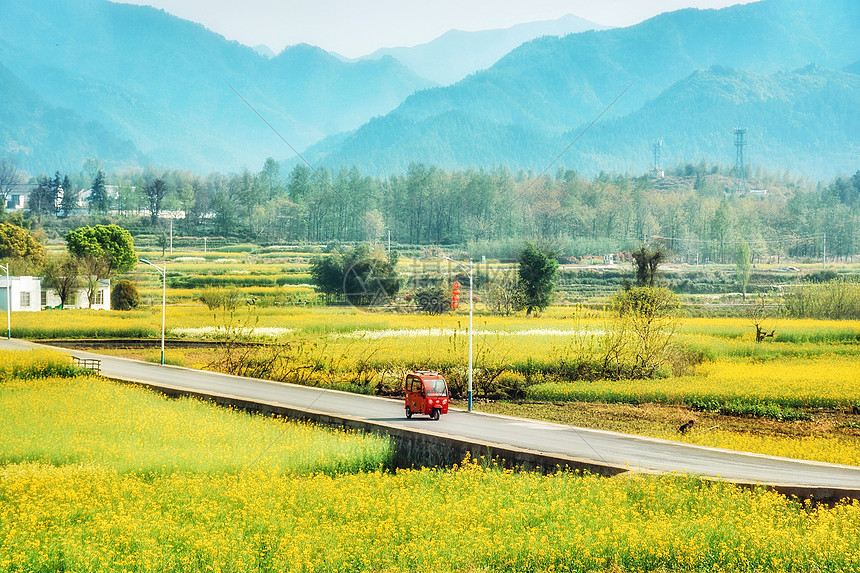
(824, 258)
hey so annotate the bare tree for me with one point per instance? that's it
(63, 275)
(10, 177)
(758, 313)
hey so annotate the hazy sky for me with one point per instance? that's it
(357, 28)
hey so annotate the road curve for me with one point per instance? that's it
(602, 447)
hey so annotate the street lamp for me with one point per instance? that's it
(8, 303)
(163, 271)
(471, 306)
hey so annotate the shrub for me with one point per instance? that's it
(833, 300)
(433, 300)
(124, 296)
(225, 299)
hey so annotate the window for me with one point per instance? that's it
(44, 298)
(100, 296)
(72, 300)
(25, 300)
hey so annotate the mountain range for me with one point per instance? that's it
(456, 54)
(173, 88)
(132, 85)
(529, 106)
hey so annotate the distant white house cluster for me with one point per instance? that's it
(18, 198)
(27, 294)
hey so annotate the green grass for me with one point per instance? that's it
(93, 421)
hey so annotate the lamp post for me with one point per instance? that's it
(163, 271)
(8, 302)
(471, 306)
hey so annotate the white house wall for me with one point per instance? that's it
(25, 295)
(52, 299)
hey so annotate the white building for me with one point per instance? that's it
(25, 294)
(28, 294)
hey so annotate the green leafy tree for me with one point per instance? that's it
(70, 197)
(155, 192)
(102, 251)
(111, 242)
(743, 267)
(646, 263)
(43, 199)
(18, 243)
(433, 300)
(537, 277)
(327, 275)
(721, 227)
(270, 179)
(361, 276)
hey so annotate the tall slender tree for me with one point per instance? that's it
(743, 267)
(155, 192)
(537, 277)
(98, 194)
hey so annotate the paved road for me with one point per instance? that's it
(639, 453)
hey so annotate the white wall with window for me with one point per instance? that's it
(26, 293)
(78, 298)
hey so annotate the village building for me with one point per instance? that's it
(27, 294)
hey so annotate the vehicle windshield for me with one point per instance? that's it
(435, 387)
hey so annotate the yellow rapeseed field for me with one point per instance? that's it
(91, 518)
(96, 476)
(823, 381)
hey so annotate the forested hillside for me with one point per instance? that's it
(31, 127)
(799, 120)
(165, 84)
(131, 86)
(689, 75)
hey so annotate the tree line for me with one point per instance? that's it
(693, 210)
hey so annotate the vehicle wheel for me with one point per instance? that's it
(408, 413)
(435, 414)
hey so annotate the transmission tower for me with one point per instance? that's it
(657, 147)
(740, 170)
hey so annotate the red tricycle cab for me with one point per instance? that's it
(426, 393)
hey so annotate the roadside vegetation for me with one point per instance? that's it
(793, 393)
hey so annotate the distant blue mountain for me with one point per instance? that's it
(800, 120)
(132, 85)
(31, 127)
(525, 109)
(165, 83)
(456, 54)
